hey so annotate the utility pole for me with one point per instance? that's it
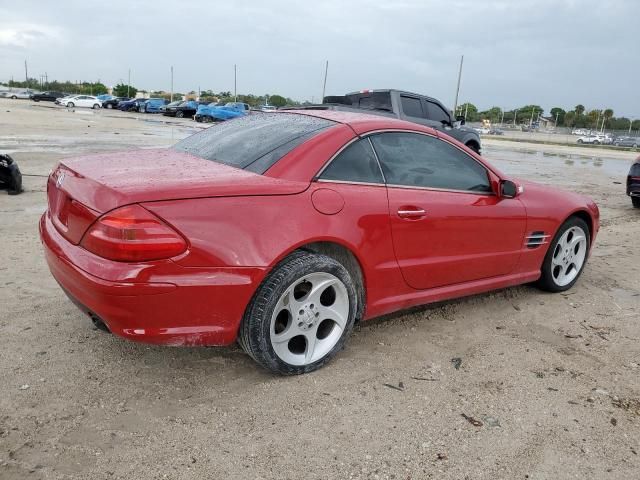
(324, 85)
(455, 104)
(171, 83)
(502, 118)
(515, 115)
(26, 75)
(630, 123)
(466, 110)
(531, 119)
(128, 83)
(235, 82)
(557, 113)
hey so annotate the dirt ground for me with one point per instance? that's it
(514, 384)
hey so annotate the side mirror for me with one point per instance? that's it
(460, 118)
(508, 189)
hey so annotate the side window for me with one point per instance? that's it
(437, 114)
(417, 160)
(411, 106)
(356, 163)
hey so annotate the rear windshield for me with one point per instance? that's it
(254, 142)
(371, 100)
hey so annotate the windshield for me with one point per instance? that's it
(253, 142)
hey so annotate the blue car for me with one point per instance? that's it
(153, 105)
(218, 113)
(131, 105)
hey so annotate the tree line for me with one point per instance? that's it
(579, 117)
(123, 90)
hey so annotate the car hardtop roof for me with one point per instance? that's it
(361, 121)
(382, 90)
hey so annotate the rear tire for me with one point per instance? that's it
(109, 106)
(95, 106)
(566, 257)
(635, 201)
(301, 315)
(180, 114)
(580, 141)
(71, 105)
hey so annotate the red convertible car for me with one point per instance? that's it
(281, 230)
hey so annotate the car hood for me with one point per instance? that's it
(107, 181)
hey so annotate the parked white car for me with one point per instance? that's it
(80, 101)
(580, 131)
(15, 94)
(596, 139)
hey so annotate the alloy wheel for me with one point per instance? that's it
(568, 256)
(309, 318)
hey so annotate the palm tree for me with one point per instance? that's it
(579, 109)
(608, 113)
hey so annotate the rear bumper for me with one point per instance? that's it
(180, 306)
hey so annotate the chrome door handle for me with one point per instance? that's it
(418, 213)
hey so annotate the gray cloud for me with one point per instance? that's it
(553, 53)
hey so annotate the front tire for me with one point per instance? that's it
(180, 114)
(95, 106)
(566, 257)
(301, 315)
(71, 105)
(109, 106)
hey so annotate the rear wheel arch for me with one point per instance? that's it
(349, 260)
(344, 254)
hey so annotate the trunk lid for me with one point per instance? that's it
(80, 189)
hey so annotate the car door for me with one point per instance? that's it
(448, 225)
(412, 109)
(82, 101)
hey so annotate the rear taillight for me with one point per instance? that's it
(132, 234)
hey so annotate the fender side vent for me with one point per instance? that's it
(535, 239)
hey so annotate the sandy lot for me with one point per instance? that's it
(553, 379)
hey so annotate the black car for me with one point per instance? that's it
(132, 105)
(113, 102)
(47, 96)
(627, 142)
(181, 109)
(633, 183)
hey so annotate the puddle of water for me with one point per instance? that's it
(532, 162)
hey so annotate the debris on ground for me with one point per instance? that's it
(426, 379)
(400, 386)
(457, 362)
(629, 404)
(473, 421)
(24, 387)
(10, 176)
(491, 421)
(442, 456)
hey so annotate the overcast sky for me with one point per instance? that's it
(551, 53)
